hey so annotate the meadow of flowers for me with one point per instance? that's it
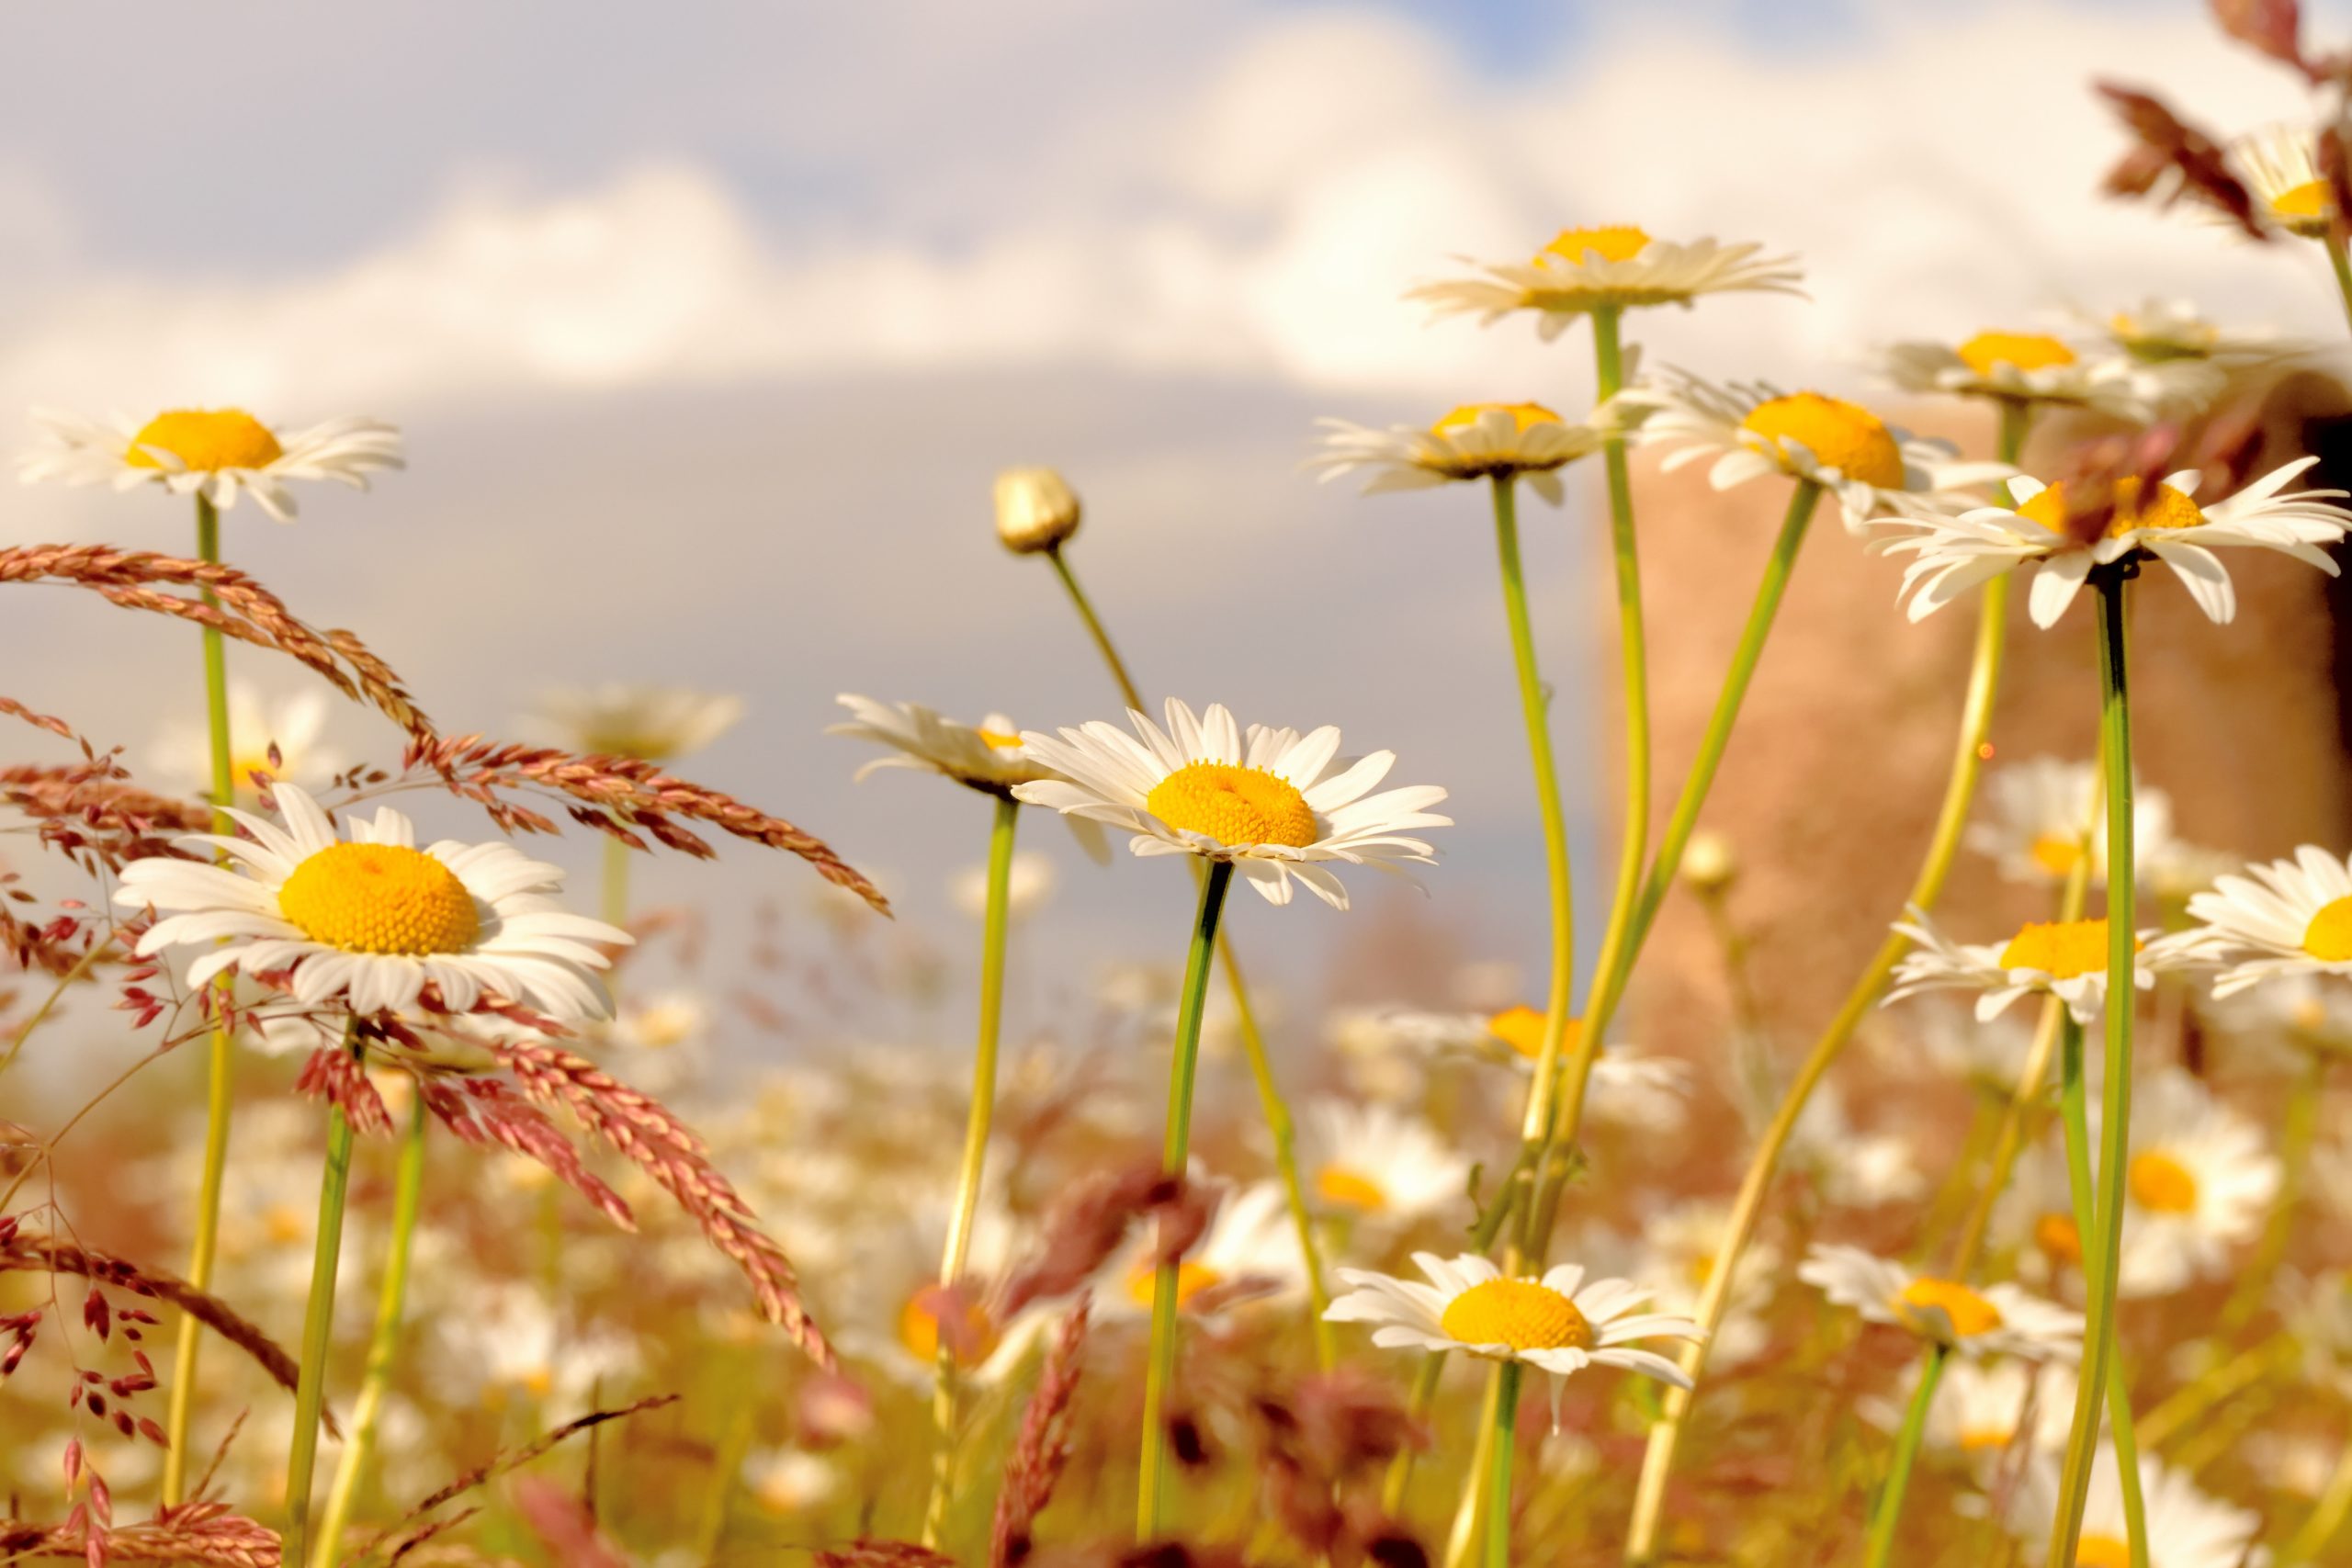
(479, 1218)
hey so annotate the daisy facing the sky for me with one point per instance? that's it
(1476, 440)
(367, 923)
(1617, 267)
(217, 453)
(1952, 554)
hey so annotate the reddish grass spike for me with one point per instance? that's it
(2271, 27)
(563, 1525)
(1042, 1450)
(884, 1554)
(486, 1113)
(2170, 145)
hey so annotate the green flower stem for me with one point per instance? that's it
(1152, 1487)
(2074, 1111)
(1984, 686)
(2102, 1251)
(976, 1148)
(1906, 1458)
(220, 1064)
(1279, 1124)
(317, 1328)
(2326, 1519)
(2296, 1134)
(383, 1347)
(616, 885)
(2337, 259)
(2226, 1382)
(1462, 1537)
(1508, 1376)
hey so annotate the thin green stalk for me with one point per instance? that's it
(2337, 259)
(1906, 1458)
(2074, 1112)
(2326, 1519)
(1984, 686)
(2102, 1252)
(219, 1062)
(1279, 1124)
(1508, 1376)
(2297, 1132)
(318, 1331)
(976, 1148)
(1153, 1486)
(616, 885)
(2242, 1372)
(1461, 1538)
(383, 1347)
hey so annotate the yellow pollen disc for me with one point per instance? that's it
(1350, 1189)
(999, 741)
(1517, 1312)
(2062, 951)
(2055, 1233)
(1979, 1439)
(2057, 853)
(1969, 1314)
(2097, 1551)
(1523, 417)
(1521, 1029)
(206, 439)
(1614, 242)
(919, 1331)
(2329, 936)
(2021, 351)
(1192, 1279)
(1700, 1268)
(2168, 509)
(1841, 435)
(1235, 805)
(379, 898)
(2303, 205)
(2311, 1015)
(2161, 1184)
(286, 1224)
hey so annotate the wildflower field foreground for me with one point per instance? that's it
(433, 1211)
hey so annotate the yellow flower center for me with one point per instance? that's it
(1235, 805)
(1521, 1029)
(2094, 1550)
(1351, 1189)
(668, 1024)
(1840, 434)
(1978, 1439)
(2303, 206)
(918, 1330)
(2057, 1234)
(379, 898)
(2170, 508)
(1968, 1312)
(1612, 241)
(2161, 1184)
(206, 439)
(2057, 853)
(1523, 417)
(999, 741)
(2329, 936)
(1517, 1312)
(286, 1224)
(1192, 1279)
(2021, 351)
(2062, 949)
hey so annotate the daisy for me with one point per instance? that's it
(896, 1329)
(2035, 1216)
(182, 754)
(1382, 1165)
(790, 1481)
(1029, 886)
(1991, 1056)
(1035, 510)
(2160, 332)
(1277, 804)
(1559, 1323)
(1983, 1408)
(1616, 267)
(2065, 959)
(211, 453)
(2000, 1320)
(1752, 429)
(1955, 554)
(1679, 1250)
(1476, 440)
(667, 1034)
(2308, 1013)
(2021, 368)
(1249, 1255)
(990, 756)
(519, 1348)
(1629, 1086)
(2185, 1528)
(2037, 811)
(2280, 166)
(2200, 1180)
(2291, 917)
(654, 724)
(1855, 1168)
(371, 920)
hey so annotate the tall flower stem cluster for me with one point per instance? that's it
(318, 1324)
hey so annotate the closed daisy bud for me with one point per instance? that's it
(1035, 510)
(1708, 863)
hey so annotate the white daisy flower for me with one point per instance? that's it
(667, 1034)
(371, 920)
(897, 1327)
(2290, 917)
(2279, 167)
(1752, 429)
(1558, 1324)
(2021, 367)
(1679, 1250)
(2000, 1320)
(1954, 554)
(2201, 1178)
(1990, 1056)
(654, 724)
(1854, 1168)
(1629, 1086)
(790, 1481)
(2037, 811)
(2185, 1528)
(1985, 1408)
(214, 453)
(1277, 804)
(1029, 886)
(1247, 1257)
(1618, 266)
(181, 757)
(2035, 1217)
(1476, 440)
(988, 756)
(1382, 1165)
(2163, 331)
(519, 1346)
(2304, 1012)
(2065, 959)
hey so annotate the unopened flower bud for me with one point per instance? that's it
(1035, 510)
(1708, 864)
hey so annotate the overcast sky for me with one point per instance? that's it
(708, 325)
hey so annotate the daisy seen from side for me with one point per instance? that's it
(217, 453)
